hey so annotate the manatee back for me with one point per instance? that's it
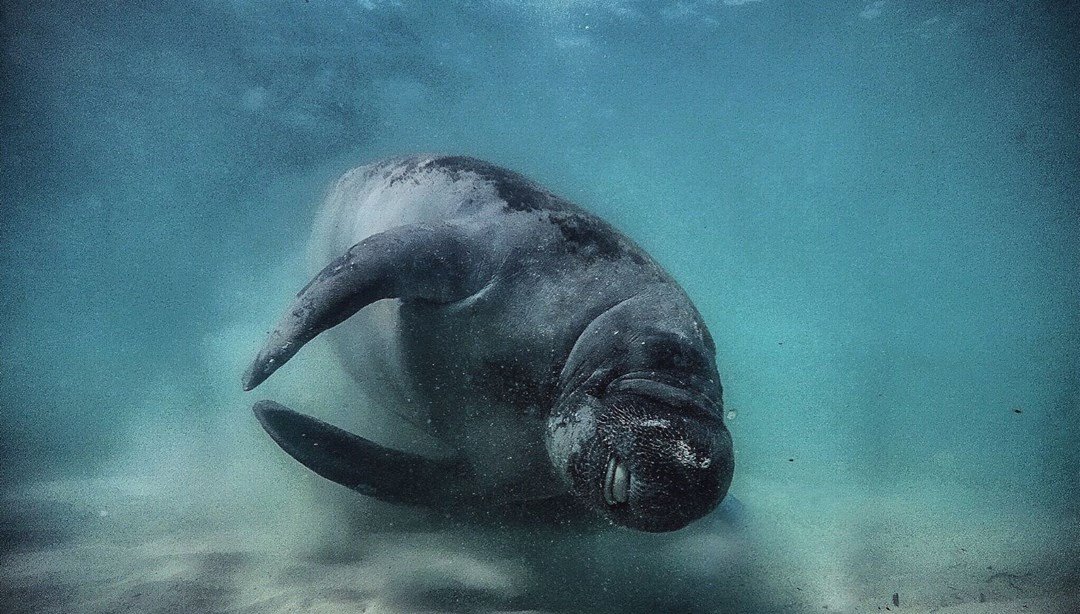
(395, 192)
(424, 188)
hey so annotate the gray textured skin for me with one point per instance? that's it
(512, 305)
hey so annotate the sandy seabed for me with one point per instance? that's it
(284, 541)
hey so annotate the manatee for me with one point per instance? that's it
(552, 357)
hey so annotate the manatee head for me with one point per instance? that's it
(642, 462)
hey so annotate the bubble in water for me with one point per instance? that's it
(731, 413)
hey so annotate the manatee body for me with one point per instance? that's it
(550, 354)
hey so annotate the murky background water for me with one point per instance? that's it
(874, 205)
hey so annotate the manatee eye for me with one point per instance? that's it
(616, 482)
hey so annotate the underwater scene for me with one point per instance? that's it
(617, 306)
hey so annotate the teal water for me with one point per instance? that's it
(874, 206)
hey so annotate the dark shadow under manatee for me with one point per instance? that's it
(574, 561)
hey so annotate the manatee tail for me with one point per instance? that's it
(362, 465)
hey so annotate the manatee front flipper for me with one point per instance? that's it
(438, 263)
(365, 466)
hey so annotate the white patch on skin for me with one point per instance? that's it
(656, 422)
(685, 455)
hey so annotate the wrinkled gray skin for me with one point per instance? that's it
(547, 350)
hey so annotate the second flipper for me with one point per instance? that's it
(364, 466)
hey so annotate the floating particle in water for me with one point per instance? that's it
(1017, 410)
(730, 415)
(896, 599)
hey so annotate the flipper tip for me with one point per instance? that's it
(265, 407)
(251, 379)
(257, 373)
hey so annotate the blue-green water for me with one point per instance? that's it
(874, 205)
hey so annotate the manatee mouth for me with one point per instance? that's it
(616, 482)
